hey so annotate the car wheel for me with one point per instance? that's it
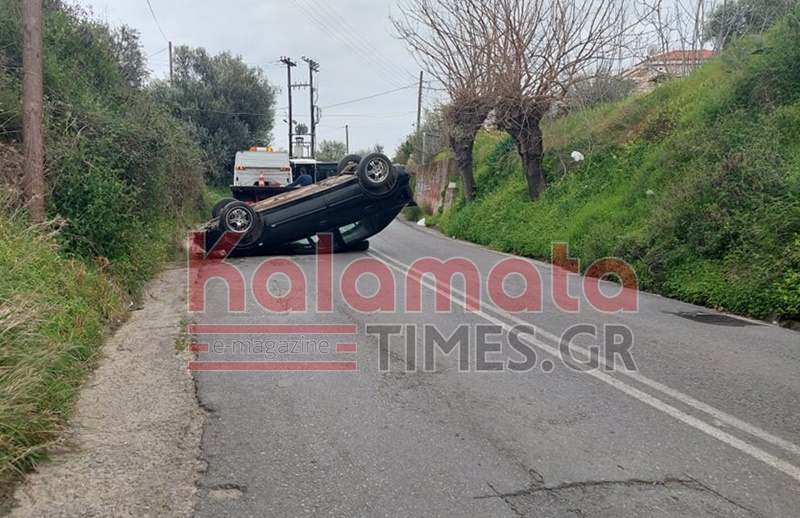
(238, 217)
(219, 205)
(349, 160)
(377, 173)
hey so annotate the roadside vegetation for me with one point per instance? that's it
(697, 185)
(53, 311)
(125, 178)
(224, 104)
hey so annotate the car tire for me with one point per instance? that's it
(219, 205)
(346, 161)
(376, 173)
(240, 218)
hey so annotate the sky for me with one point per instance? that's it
(352, 40)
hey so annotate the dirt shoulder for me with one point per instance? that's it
(132, 448)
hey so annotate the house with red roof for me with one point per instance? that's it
(660, 67)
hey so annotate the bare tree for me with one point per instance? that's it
(452, 40)
(546, 47)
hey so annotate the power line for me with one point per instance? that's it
(371, 96)
(157, 53)
(370, 50)
(357, 116)
(156, 20)
(376, 116)
(324, 25)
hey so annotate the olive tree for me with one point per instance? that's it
(131, 62)
(452, 41)
(227, 105)
(331, 150)
(729, 19)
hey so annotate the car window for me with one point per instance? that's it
(357, 231)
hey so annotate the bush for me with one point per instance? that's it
(122, 172)
(123, 178)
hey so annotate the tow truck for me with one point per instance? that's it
(260, 173)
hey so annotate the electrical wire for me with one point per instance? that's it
(370, 50)
(308, 11)
(156, 20)
(376, 116)
(157, 53)
(369, 97)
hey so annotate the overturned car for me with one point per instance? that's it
(360, 201)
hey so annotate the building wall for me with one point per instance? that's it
(432, 182)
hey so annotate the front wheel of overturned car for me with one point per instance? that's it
(348, 162)
(240, 218)
(376, 173)
(220, 205)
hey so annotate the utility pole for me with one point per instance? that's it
(170, 63)
(419, 102)
(313, 66)
(300, 85)
(347, 138)
(289, 64)
(32, 140)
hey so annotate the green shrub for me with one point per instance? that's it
(124, 178)
(122, 171)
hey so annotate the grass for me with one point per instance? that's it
(184, 337)
(52, 316)
(217, 193)
(696, 185)
(124, 178)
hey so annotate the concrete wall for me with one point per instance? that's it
(432, 181)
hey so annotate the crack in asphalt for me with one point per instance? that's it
(500, 495)
(668, 482)
(538, 486)
(720, 495)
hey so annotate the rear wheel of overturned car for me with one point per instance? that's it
(219, 205)
(348, 161)
(376, 173)
(240, 218)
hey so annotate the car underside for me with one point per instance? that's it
(360, 201)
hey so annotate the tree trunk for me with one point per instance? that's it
(465, 117)
(531, 149)
(462, 148)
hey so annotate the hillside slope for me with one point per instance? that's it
(123, 178)
(697, 185)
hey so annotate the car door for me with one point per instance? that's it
(296, 220)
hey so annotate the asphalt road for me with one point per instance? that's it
(706, 425)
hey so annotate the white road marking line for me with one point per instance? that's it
(753, 451)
